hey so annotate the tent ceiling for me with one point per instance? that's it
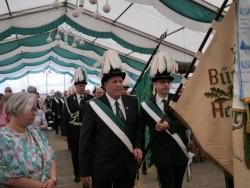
(131, 31)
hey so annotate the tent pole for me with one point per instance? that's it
(64, 82)
(163, 36)
(201, 48)
(46, 81)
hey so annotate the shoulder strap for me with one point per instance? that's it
(56, 99)
(156, 115)
(116, 125)
(152, 110)
(72, 115)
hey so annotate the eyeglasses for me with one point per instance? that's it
(8, 91)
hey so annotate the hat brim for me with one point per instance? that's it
(81, 82)
(157, 78)
(106, 77)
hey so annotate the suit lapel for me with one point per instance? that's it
(105, 100)
(153, 98)
(125, 103)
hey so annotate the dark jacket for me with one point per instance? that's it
(57, 107)
(73, 107)
(164, 148)
(102, 153)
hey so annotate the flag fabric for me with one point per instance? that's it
(243, 47)
(205, 105)
(241, 144)
(241, 135)
(143, 91)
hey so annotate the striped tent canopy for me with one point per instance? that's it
(49, 34)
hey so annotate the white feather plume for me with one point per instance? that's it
(79, 75)
(161, 62)
(127, 81)
(110, 59)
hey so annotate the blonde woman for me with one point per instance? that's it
(26, 159)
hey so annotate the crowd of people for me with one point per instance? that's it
(105, 133)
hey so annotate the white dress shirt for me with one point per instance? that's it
(79, 98)
(112, 104)
(159, 102)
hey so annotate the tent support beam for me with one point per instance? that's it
(7, 4)
(123, 12)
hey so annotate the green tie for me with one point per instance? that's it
(119, 111)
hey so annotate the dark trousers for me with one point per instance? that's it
(57, 125)
(73, 140)
(171, 177)
(125, 180)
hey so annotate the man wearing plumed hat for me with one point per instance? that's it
(73, 111)
(112, 138)
(167, 155)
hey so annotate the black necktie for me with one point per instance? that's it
(165, 105)
(81, 100)
(119, 111)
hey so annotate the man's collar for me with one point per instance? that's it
(79, 96)
(159, 99)
(112, 101)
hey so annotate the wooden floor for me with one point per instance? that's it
(205, 175)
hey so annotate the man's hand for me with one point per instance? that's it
(138, 154)
(162, 126)
(86, 181)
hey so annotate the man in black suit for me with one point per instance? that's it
(112, 138)
(168, 157)
(73, 111)
(57, 110)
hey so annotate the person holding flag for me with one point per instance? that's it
(111, 138)
(167, 153)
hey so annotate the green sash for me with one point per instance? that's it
(117, 126)
(156, 114)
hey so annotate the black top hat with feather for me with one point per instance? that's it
(80, 76)
(162, 66)
(112, 66)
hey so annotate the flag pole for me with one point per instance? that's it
(175, 97)
(200, 48)
(162, 37)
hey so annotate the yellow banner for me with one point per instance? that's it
(206, 102)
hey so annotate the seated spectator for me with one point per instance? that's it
(88, 91)
(3, 114)
(26, 158)
(125, 90)
(98, 92)
(7, 93)
(40, 120)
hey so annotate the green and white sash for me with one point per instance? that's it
(156, 114)
(116, 125)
